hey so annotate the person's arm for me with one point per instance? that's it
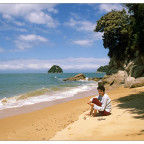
(92, 98)
(101, 108)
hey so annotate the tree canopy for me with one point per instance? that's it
(103, 69)
(55, 69)
(137, 26)
(123, 34)
(116, 32)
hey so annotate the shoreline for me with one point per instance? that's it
(41, 105)
(49, 122)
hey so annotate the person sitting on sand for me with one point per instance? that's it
(100, 103)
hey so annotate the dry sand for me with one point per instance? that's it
(65, 121)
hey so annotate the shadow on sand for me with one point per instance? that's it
(135, 104)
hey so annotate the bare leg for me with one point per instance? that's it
(95, 112)
(91, 111)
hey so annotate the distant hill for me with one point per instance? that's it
(103, 69)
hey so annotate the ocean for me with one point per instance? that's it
(17, 90)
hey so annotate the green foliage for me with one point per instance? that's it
(55, 69)
(103, 68)
(116, 33)
(137, 26)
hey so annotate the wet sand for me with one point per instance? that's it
(65, 121)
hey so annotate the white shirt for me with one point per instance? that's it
(106, 103)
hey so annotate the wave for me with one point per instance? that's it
(45, 94)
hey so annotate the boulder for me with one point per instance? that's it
(138, 82)
(128, 82)
(100, 84)
(108, 79)
(75, 78)
(119, 77)
(94, 79)
(55, 69)
(115, 79)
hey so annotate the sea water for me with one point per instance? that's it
(17, 90)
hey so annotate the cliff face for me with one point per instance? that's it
(129, 72)
(133, 68)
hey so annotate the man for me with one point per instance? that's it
(100, 103)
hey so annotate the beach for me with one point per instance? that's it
(67, 120)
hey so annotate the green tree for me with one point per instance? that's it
(137, 27)
(103, 68)
(55, 69)
(115, 27)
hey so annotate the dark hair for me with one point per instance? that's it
(101, 88)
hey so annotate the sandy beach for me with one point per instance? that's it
(66, 121)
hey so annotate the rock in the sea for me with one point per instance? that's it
(55, 69)
(138, 82)
(94, 79)
(75, 78)
(128, 81)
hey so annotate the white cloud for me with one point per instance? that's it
(66, 64)
(53, 10)
(19, 23)
(23, 9)
(28, 41)
(2, 50)
(31, 12)
(42, 18)
(86, 26)
(7, 16)
(97, 36)
(21, 45)
(85, 42)
(32, 37)
(109, 7)
(92, 37)
(80, 25)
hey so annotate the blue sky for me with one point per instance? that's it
(33, 37)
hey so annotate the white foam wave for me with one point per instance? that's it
(86, 79)
(61, 94)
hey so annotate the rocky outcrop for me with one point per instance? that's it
(133, 67)
(82, 77)
(138, 82)
(121, 78)
(55, 69)
(132, 75)
(108, 79)
(128, 82)
(137, 71)
(94, 79)
(75, 78)
(115, 79)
